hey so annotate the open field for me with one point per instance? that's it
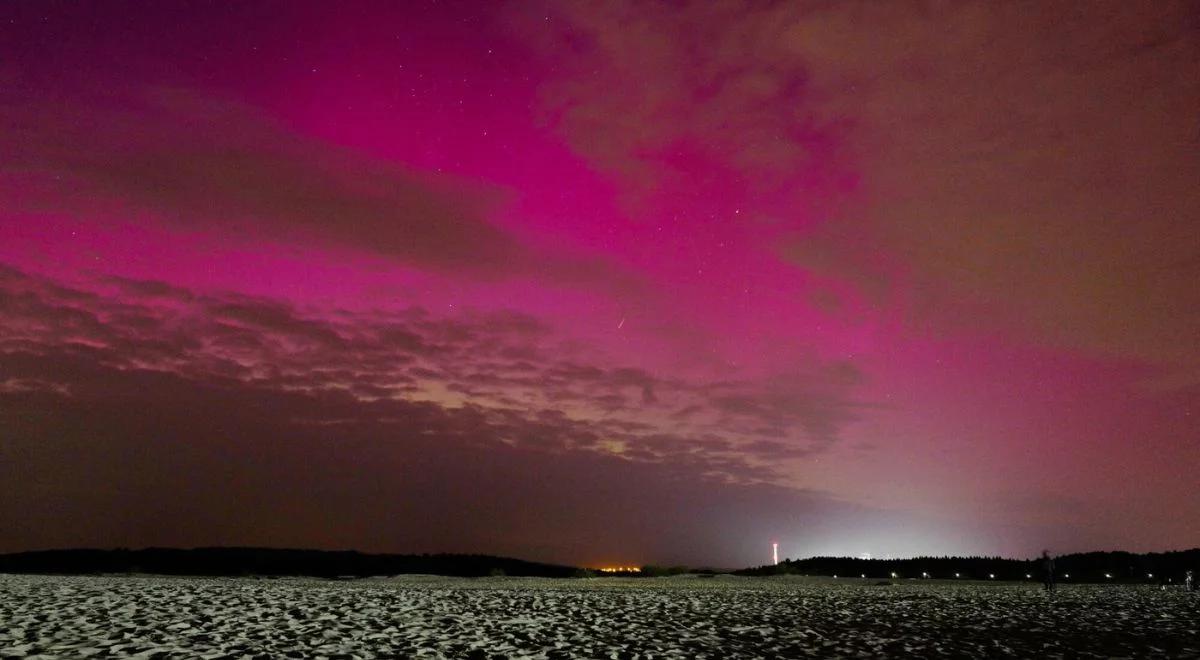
(684, 617)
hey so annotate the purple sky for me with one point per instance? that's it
(601, 283)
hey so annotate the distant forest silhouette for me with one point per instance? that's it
(1126, 567)
(270, 562)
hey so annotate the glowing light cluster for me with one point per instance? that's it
(620, 569)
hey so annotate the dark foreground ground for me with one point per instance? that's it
(682, 617)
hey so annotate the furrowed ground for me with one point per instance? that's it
(684, 617)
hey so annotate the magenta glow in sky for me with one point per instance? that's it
(621, 282)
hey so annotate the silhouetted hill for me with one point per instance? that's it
(270, 561)
(1082, 567)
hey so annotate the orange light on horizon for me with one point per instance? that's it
(620, 569)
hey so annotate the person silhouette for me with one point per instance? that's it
(1047, 571)
(1189, 584)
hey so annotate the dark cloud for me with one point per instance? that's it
(217, 165)
(140, 413)
(188, 463)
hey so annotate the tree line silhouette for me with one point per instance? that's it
(1123, 567)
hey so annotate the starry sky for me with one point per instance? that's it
(601, 283)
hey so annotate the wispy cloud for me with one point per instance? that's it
(1033, 166)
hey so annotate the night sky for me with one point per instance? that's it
(601, 283)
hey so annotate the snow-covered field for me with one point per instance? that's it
(684, 617)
